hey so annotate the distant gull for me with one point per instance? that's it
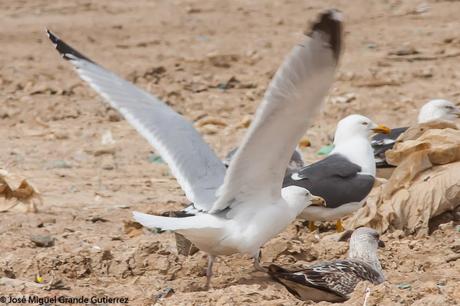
(334, 281)
(433, 110)
(345, 177)
(245, 206)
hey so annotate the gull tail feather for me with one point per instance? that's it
(174, 224)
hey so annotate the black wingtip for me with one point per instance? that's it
(330, 24)
(64, 49)
(54, 39)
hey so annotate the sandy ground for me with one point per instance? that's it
(206, 59)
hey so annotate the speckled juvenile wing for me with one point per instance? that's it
(339, 277)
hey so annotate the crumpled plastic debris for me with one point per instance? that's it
(17, 193)
(425, 183)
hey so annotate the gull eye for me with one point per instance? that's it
(364, 123)
(449, 107)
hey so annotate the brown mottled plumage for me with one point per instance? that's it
(334, 281)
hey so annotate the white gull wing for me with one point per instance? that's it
(196, 167)
(290, 103)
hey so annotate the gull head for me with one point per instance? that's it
(299, 198)
(438, 110)
(364, 244)
(357, 125)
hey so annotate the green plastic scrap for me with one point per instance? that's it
(325, 150)
(404, 286)
(156, 159)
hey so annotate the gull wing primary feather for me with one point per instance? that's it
(196, 167)
(290, 103)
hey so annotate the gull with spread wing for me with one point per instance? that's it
(240, 209)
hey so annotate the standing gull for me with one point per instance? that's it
(345, 177)
(334, 281)
(437, 109)
(245, 206)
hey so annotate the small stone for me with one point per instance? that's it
(163, 294)
(46, 222)
(404, 286)
(446, 226)
(371, 45)
(103, 150)
(404, 51)
(192, 10)
(132, 228)
(106, 255)
(113, 116)
(425, 73)
(346, 76)
(108, 162)
(42, 241)
(245, 123)
(396, 234)
(58, 164)
(412, 244)
(107, 138)
(96, 249)
(209, 129)
(96, 219)
(455, 248)
(184, 246)
(347, 98)
(422, 8)
(453, 257)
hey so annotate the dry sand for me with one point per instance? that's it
(207, 59)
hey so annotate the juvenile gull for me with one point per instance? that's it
(437, 109)
(245, 206)
(334, 281)
(345, 177)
